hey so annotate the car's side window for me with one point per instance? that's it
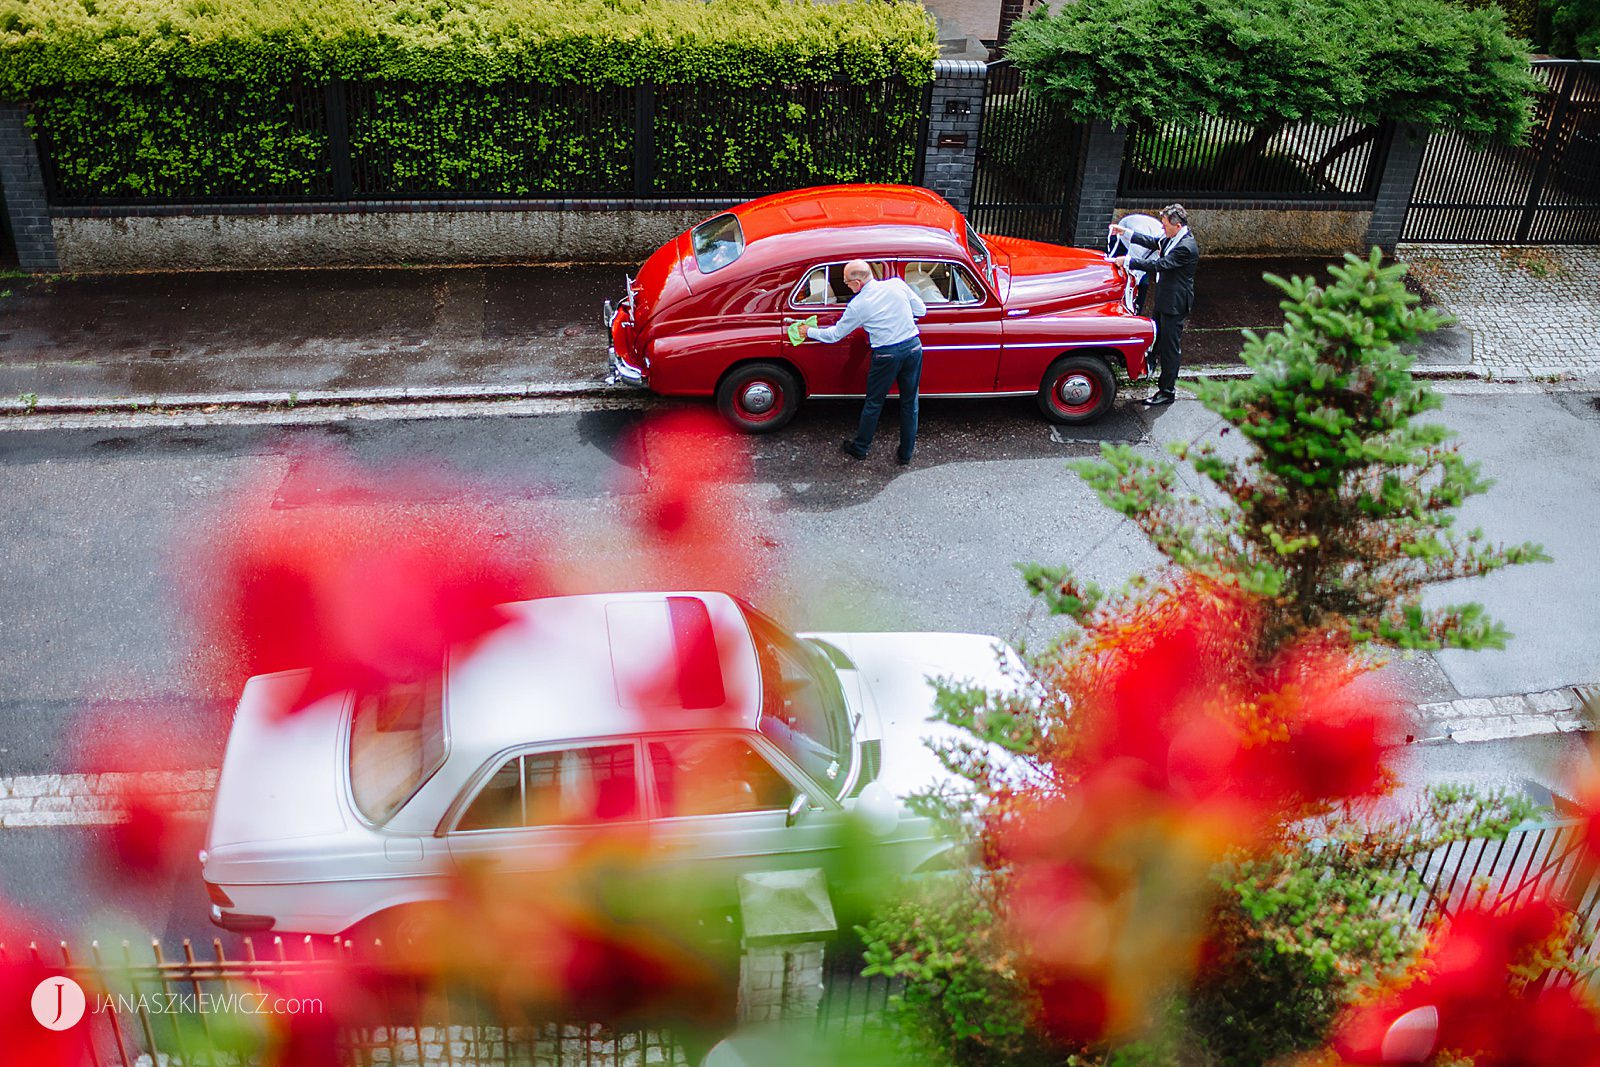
(563, 788)
(825, 285)
(938, 282)
(715, 774)
(498, 805)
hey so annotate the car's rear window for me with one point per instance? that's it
(717, 242)
(397, 741)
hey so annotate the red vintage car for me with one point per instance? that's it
(709, 313)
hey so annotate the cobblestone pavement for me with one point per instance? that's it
(1531, 310)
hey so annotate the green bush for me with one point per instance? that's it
(200, 98)
(478, 42)
(1431, 62)
(1574, 28)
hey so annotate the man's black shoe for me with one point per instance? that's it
(904, 461)
(1158, 400)
(848, 447)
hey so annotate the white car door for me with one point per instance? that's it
(535, 808)
(720, 801)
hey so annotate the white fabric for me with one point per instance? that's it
(1120, 245)
(887, 309)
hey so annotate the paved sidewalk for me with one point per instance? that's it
(1531, 310)
(265, 338)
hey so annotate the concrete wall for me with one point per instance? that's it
(1288, 228)
(309, 238)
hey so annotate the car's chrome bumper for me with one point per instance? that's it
(618, 372)
(241, 923)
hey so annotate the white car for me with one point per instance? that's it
(350, 808)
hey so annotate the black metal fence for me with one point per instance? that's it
(1029, 162)
(1223, 159)
(190, 142)
(1544, 192)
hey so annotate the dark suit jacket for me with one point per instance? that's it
(1174, 293)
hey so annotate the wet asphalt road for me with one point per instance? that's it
(98, 526)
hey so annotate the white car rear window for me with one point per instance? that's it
(397, 741)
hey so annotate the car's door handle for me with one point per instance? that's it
(1018, 311)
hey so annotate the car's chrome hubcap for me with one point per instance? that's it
(758, 398)
(1075, 389)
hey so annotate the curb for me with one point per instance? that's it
(31, 405)
(1569, 709)
(24, 406)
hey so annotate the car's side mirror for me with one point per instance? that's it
(796, 806)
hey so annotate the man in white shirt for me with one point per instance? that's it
(889, 311)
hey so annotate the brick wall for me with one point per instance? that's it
(22, 187)
(954, 115)
(1401, 167)
(1097, 195)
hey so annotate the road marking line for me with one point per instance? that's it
(35, 800)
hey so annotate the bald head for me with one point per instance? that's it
(857, 273)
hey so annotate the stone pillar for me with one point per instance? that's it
(787, 919)
(22, 187)
(1396, 186)
(955, 113)
(1097, 195)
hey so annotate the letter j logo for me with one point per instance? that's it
(58, 1003)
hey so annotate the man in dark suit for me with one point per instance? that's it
(1171, 291)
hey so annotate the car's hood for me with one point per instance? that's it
(1046, 274)
(893, 673)
(280, 776)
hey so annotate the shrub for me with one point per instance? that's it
(1426, 61)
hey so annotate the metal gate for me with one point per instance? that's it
(1029, 162)
(1544, 192)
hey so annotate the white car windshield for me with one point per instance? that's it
(802, 706)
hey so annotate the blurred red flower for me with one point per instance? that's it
(24, 1040)
(694, 534)
(1474, 978)
(363, 592)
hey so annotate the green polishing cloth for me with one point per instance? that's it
(794, 330)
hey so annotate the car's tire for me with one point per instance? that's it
(759, 397)
(1077, 389)
(405, 929)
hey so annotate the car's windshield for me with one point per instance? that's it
(717, 242)
(802, 705)
(397, 741)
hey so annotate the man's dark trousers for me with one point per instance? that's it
(1168, 349)
(900, 363)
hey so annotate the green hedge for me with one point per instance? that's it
(592, 42)
(188, 99)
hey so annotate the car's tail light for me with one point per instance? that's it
(218, 897)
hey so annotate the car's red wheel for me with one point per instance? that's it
(1077, 389)
(759, 397)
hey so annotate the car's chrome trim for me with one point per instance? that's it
(926, 396)
(608, 313)
(988, 293)
(1112, 341)
(622, 373)
(627, 284)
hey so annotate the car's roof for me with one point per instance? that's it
(829, 206)
(604, 665)
(846, 222)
